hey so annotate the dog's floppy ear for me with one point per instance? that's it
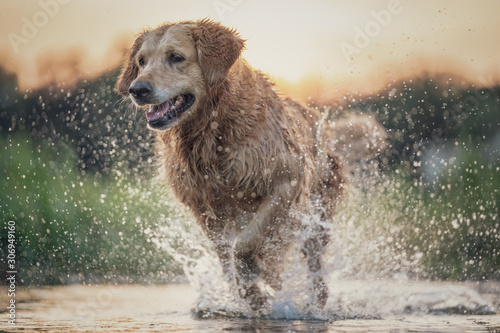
(130, 70)
(218, 48)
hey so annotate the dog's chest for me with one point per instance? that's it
(222, 199)
(221, 179)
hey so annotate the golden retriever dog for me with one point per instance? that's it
(245, 160)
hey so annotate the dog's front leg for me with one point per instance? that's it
(214, 229)
(246, 246)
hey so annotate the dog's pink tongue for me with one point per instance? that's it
(157, 111)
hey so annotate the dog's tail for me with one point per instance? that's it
(358, 137)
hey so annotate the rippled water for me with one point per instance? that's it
(169, 308)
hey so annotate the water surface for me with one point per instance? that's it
(169, 308)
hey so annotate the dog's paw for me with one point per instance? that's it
(320, 292)
(258, 295)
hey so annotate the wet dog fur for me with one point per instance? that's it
(244, 159)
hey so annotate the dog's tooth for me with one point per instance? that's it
(178, 102)
(171, 104)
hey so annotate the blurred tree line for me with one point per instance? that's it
(72, 158)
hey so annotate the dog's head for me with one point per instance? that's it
(172, 70)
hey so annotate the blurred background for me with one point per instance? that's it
(77, 162)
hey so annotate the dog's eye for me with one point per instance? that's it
(141, 62)
(175, 58)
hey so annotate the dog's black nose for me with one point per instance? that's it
(140, 89)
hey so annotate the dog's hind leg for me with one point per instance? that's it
(329, 192)
(313, 249)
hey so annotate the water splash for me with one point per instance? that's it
(368, 269)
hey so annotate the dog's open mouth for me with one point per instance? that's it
(164, 114)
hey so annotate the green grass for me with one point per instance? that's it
(72, 226)
(462, 222)
(442, 228)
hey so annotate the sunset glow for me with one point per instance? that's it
(357, 45)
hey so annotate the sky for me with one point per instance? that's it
(346, 44)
